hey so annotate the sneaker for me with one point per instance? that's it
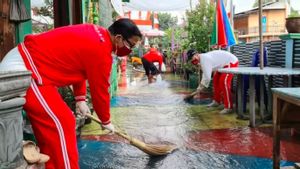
(225, 111)
(213, 104)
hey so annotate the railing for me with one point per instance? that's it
(267, 29)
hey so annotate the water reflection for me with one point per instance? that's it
(156, 113)
(98, 155)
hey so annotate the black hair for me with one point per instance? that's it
(190, 53)
(126, 27)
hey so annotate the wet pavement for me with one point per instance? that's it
(156, 113)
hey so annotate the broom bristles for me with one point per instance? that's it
(151, 149)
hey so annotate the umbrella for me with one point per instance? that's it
(222, 34)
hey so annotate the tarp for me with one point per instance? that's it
(159, 5)
(118, 6)
(153, 33)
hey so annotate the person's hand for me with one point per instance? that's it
(200, 88)
(109, 127)
(82, 108)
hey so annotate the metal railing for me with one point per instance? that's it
(267, 29)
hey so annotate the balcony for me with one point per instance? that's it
(268, 31)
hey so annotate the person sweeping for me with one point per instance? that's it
(209, 63)
(67, 56)
(148, 63)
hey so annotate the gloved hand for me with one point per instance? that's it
(82, 108)
(109, 127)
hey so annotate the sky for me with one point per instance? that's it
(243, 5)
(240, 6)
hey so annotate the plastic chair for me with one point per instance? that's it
(255, 62)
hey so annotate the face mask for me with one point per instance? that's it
(195, 62)
(123, 51)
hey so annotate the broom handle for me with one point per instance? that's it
(117, 132)
(194, 93)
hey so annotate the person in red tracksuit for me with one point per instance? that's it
(66, 56)
(209, 63)
(148, 63)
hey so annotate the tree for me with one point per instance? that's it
(199, 26)
(166, 21)
(46, 10)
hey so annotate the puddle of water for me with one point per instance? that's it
(98, 155)
(157, 113)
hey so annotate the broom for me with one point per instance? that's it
(190, 96)
(151, 149)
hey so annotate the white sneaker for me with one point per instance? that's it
(225, 111)
(213, 104)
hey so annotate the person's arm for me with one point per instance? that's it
(207, 71)
(98, 75)
(80, 91)
(160, 61)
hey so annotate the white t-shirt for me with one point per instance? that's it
(212, 61)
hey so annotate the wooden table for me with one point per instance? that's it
(252, 72)
(282, 96)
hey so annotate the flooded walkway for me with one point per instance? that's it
(156, 113)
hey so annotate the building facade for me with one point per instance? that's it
(273, 22)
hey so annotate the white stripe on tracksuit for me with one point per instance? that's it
(226, 89)
(40, 81)
(56, 121)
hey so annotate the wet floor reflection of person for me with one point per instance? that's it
(153, 55)
(68, 56)
(209, 63)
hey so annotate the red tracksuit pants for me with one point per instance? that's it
(222, 87)
(53, 124)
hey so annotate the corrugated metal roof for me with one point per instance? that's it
(269, 6)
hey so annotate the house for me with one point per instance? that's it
(273, 22)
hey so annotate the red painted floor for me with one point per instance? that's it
(246, 141)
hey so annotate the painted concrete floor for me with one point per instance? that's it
(156, 113)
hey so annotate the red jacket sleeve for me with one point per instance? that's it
(80, 91)
(98, 69)
(99, 81)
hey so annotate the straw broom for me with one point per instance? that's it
(190, 96)
(151, 149)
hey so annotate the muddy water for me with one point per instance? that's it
(156, 113)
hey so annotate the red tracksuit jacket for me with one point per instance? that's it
(154, 56)
(70, 56)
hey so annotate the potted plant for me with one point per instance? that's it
(292, 23)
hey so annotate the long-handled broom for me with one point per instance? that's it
(151, 149)
(190, 96)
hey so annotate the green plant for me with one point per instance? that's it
(293, 14)
(200, 25)
(190, 68)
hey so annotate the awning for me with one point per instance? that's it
(118, 6)
(153, 33)
(153, 5)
